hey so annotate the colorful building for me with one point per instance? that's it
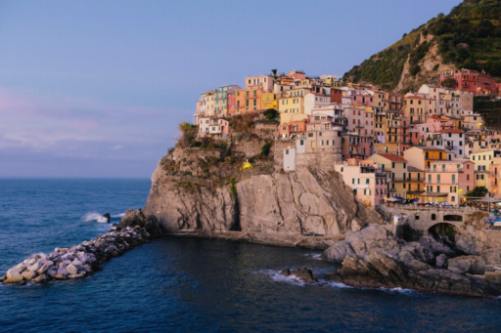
(397, 168)
(478, 83)
(448, 181)
(369, 184)
(421, 157)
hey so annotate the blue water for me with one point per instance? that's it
(191, 285)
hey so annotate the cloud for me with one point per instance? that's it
(75, 127)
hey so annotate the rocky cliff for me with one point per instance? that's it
(468, 264)
(200, 188)
(236, 189)
(308, 207)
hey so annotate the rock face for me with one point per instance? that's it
(83, 259)
(308, 207)
(374, 257)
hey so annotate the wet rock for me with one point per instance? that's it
(374, 257)
(304, 274)
(338, 252)
(441, 261)
(82, 259)
(467, 264)
(14, 275)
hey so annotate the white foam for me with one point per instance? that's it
(398, 290)
(117, 216)
(335, 284)
(94, 217)
(277, 276)
(314, 256)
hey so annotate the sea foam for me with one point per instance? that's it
(94, 217)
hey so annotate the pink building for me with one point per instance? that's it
(449, 181)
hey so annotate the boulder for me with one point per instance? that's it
(441, 261)
(467, 264)
(28, 274)
(337, 252)
(304, 274)
(13, 275)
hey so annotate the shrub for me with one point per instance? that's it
(272, 115)
(449, 83)
(188, 134)
(478, 191)
(265, 149)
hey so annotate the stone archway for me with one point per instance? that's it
(444, 233)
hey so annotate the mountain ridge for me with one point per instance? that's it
(468, 37)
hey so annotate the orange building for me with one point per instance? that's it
(247, 100)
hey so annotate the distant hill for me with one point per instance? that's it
(468, 37)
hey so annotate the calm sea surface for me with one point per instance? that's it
(190, 285)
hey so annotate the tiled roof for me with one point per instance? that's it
(394, 158)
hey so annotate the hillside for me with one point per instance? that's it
(468, 37)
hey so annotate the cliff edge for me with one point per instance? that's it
(237, 190)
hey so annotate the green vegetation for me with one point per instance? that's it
(489, 109)
(478, 191)
(449, 83)
(416, 55)
(469, 37)
(265, 149)
(272, 115)
(233, 187)
(383, 69)
(188, 134)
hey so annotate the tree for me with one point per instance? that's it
(478, 191)
(271, 115)
(449, 83)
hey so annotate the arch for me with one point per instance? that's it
(444, 233)
(453, 218)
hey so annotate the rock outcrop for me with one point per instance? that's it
(83, 259)
(308, 207)
(374, 257)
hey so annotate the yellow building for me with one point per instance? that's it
(397, 168)
(415, 183)
(483, 161)
(421, 157)
(417, 107)
(291, 106)
(269, 101)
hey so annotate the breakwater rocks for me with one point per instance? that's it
(374, 257)
(85, 258)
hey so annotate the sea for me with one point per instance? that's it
(192, 285)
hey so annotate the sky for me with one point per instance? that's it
(97, 88)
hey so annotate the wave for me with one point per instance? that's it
(118, 216)
(278, 276)
(335, 284)
(314, 256)
(398, 290)
(94, 217)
